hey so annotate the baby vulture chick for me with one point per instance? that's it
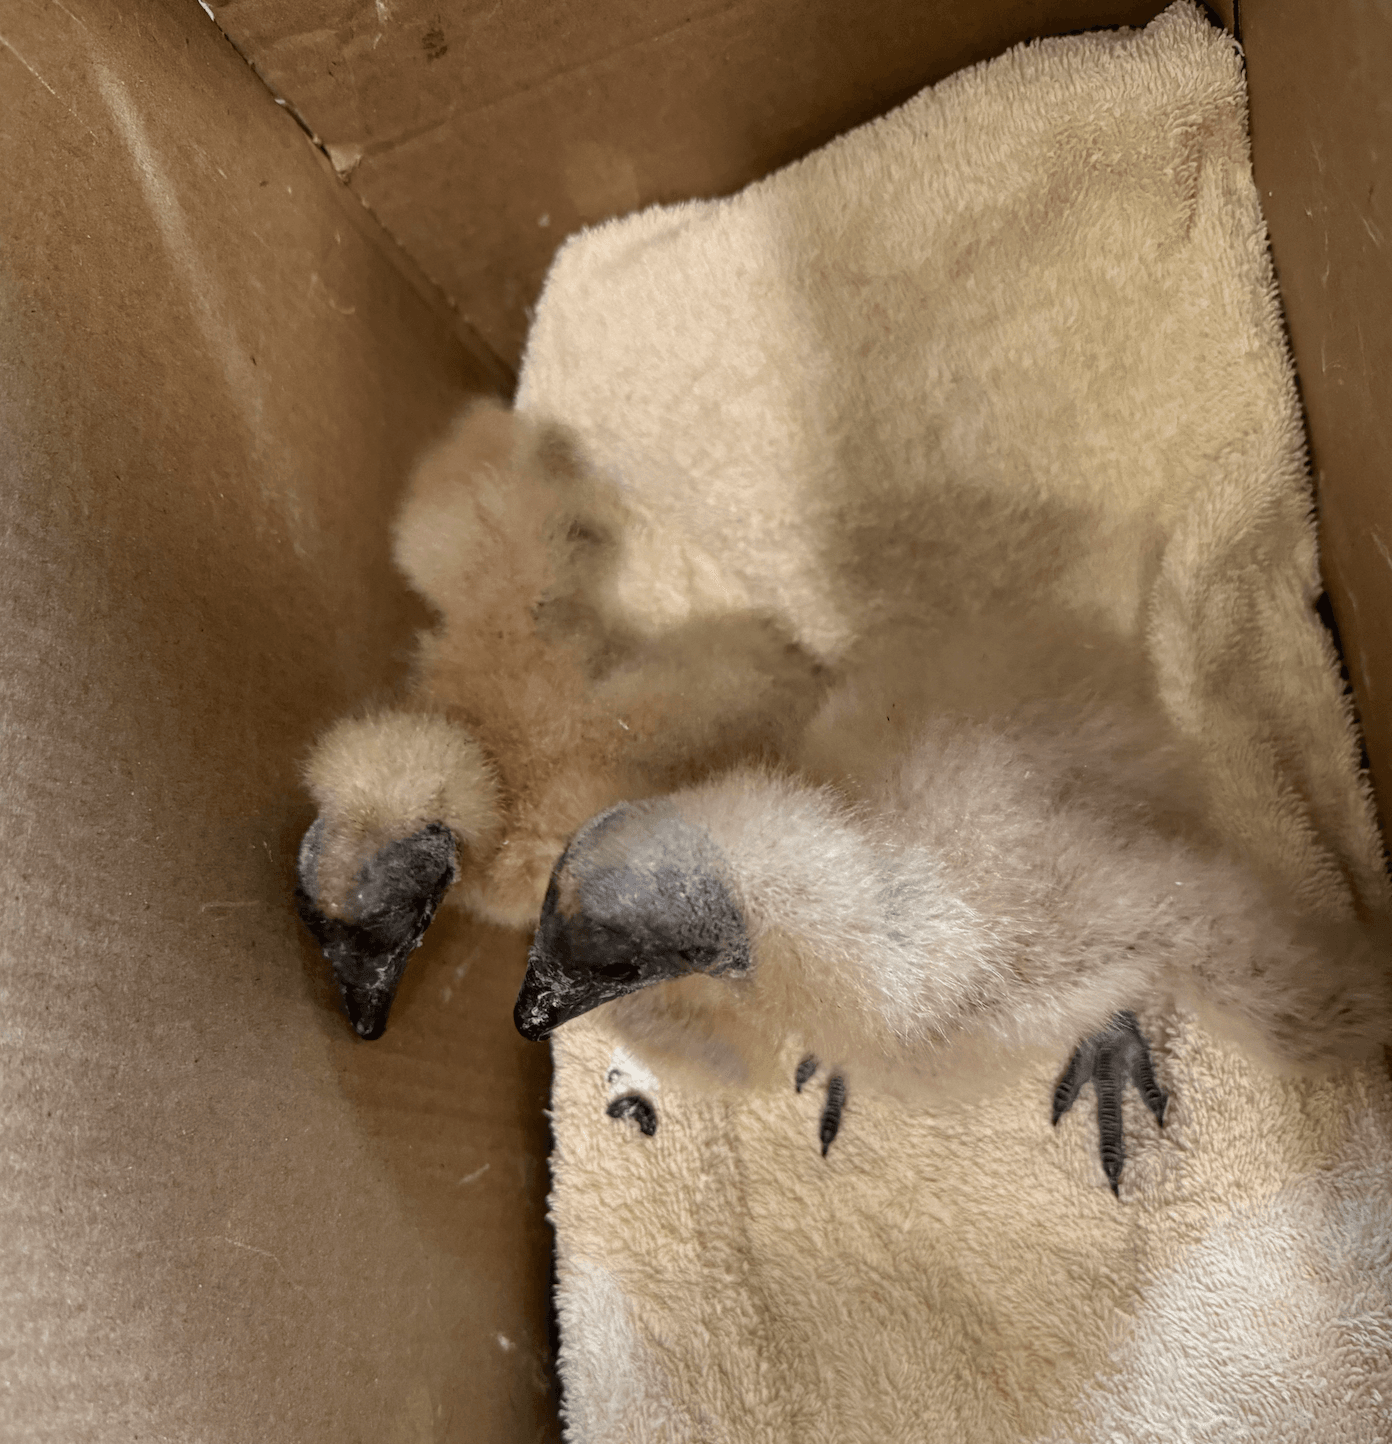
(533, 704)
(1019, 879)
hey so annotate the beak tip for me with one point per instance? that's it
(532, 1029)
(366, 1014)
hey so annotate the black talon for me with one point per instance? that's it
(805, 1070)
(1143, 1074)
(1107, 1082)
(1077, 1073)
(831, 1114)
(636, 1107)
(1109, 1058)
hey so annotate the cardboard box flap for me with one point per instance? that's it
(483, 135)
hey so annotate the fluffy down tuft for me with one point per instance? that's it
(384, 776)
(404, 769)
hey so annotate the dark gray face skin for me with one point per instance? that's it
(389, 909)
(637, 898)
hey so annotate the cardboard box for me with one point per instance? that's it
(221, 1216)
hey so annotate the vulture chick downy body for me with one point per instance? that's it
(745, 853)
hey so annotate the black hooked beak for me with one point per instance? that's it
(389, 910)
(626, 924)
(564, 978)
(368, 1004)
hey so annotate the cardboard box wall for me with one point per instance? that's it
(221, 1216)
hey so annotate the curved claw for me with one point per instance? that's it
(636, 1107)
(831, 1113)
(830, 1124)
(1109, 1058)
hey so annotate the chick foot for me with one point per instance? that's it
(1109, 1058)
(835, 1105)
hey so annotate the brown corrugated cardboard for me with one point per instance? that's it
(483, 134)
(221, 1216)
(1320, 79)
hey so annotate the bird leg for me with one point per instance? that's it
(1109, 1058)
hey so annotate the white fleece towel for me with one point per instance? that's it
(1019, 341)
